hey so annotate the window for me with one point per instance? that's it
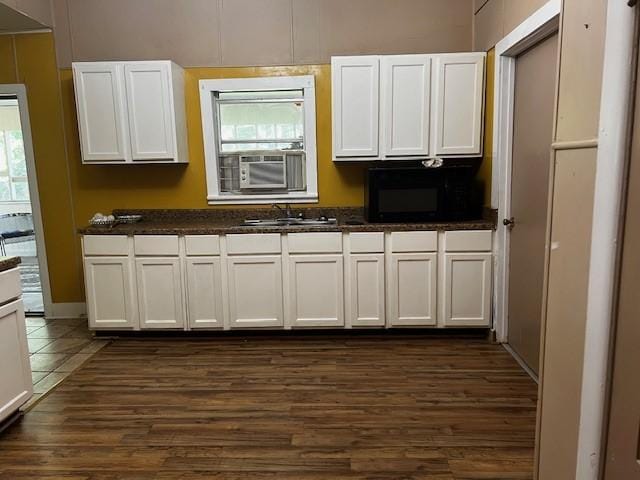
(13, 166)
(260, 139)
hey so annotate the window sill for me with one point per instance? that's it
(261, 199)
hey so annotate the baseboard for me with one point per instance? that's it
(521, 362)
(67, 310)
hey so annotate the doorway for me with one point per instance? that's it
(21, 232)
(534, 101)
(525, 76)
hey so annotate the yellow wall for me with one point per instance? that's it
(487, 160)
(30, 59)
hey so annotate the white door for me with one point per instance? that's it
(102, 117)
(406, 104)
(412, 289)
(459, 104)
(255, 291)
(110, 295)
(467, 285)
(355, 98)
(316, 290)
(204, 292)
(150, 106)
(15, 375)
(365, 305)
(160, 292)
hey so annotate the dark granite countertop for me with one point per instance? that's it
(225, 221)
(7, 263)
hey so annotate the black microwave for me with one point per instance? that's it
(421, 194)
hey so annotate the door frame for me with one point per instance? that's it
(539, 26)
(20, 91)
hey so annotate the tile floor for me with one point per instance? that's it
(57, 348)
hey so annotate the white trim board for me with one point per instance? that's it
(20, 91)
(543, 23)
(521, 362)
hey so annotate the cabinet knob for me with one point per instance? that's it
(509, 222)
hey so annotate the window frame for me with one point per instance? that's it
(208, 88)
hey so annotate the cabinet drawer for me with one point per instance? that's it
(156, 245)
(238, 244)
(202, 245)
(414, 241)
(105, 245)
(367, 242)
(321, 242)
(468, 241)
(9, 285)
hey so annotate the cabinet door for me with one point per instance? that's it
(467, 290)
(150, 107)
(15, 375)
(355, 87)
(316, 290)
(412, 289)
(110, 292)
(102, 118)
(366, 303)
(406, 104)
(255, 291)
(160, 292)
(459, 104)
(204, 292)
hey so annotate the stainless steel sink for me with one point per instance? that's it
(289, 222)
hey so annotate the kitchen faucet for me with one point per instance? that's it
(286, 211)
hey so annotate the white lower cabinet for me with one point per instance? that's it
(316, 290)
(412, 290)
(365, 302)
(467, 285)
(15, 375)
(160, 299)
(255, 291)
(110, 293)
(296, 280)
(204, 292)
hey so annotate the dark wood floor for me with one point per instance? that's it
(349, 407)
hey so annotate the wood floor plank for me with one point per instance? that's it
(303, 407)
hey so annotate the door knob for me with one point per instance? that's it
(509, 222)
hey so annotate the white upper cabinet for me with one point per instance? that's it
(406, 103)
(459, 103)
(131, 112)
(150, 107)
(102, 120)
(394, 107)
(356, 91)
